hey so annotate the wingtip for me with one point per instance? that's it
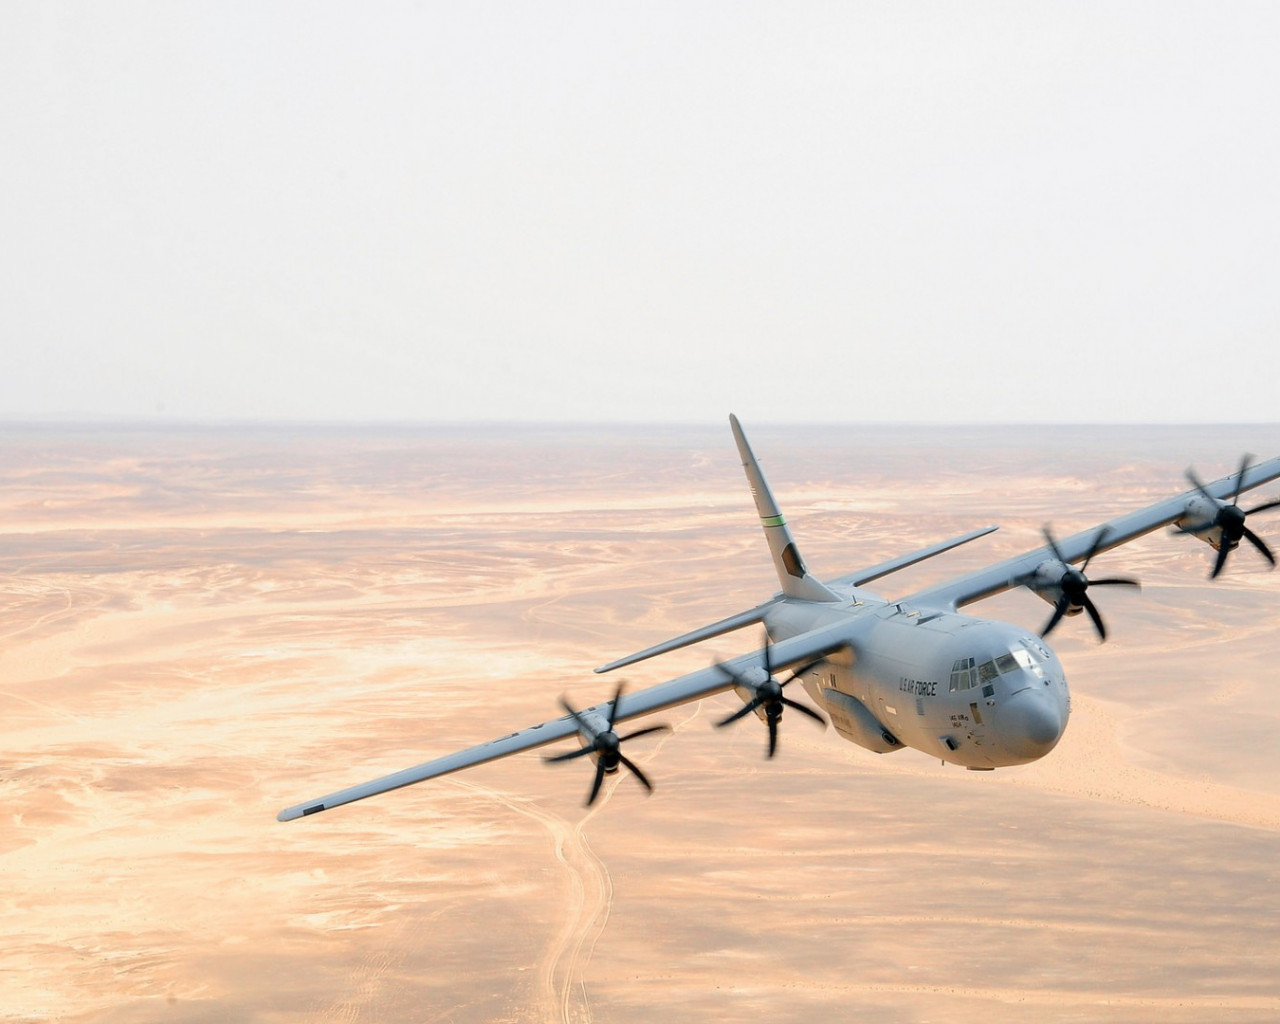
(300, 811)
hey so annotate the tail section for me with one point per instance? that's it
(792, 574)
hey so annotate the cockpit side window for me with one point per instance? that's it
(962, 674)
(1024, 659)
(1037, 649)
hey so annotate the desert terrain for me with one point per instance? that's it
(204, 625)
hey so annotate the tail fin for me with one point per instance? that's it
(794, 577)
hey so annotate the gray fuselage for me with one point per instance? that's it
(969, 691)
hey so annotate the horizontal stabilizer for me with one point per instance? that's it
(747, 618)
(865, 576)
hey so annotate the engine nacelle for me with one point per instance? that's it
(1202, 519)
(855, 722)
(1220, 525)
(1046, 583)
(755, 675)
(591, 726)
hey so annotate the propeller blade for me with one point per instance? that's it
(564, 703)
(644, 732)
(1224, 549)
(1260, 544)
(583, 752)
(742, 712)
(1073, 585)
(613, 708)
(1097, 619)
(1059, 610)
(804, 710)
(1244, 468)
(1101, 535)
(803, 669)
(768, 694)
(1195, 482)
(604, 744)
(1230, 520)
(1053, 545)
(595, 786)
(631, 767)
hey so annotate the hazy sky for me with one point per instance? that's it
(641, 211)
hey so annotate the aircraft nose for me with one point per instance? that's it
(1033, 723)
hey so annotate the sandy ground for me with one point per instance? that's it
(203, 626)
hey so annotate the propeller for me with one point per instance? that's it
(606, 746)
(1230, 520)
(768, 695)
(1074, 585)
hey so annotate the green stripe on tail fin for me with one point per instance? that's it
(792, 574)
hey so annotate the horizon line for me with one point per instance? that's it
(161, 422)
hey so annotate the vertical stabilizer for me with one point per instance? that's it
(794, 577)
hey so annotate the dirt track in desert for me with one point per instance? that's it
(205, 625)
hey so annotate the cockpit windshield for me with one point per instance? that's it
(965, 673)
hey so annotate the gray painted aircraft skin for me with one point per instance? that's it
(913, 672)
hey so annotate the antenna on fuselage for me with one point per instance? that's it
(790, 567)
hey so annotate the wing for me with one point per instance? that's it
(686, 688)
(748, 618)
(997, 578)
(872, 573)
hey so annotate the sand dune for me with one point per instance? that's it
(202, 627)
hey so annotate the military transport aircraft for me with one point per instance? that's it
(911, 672)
